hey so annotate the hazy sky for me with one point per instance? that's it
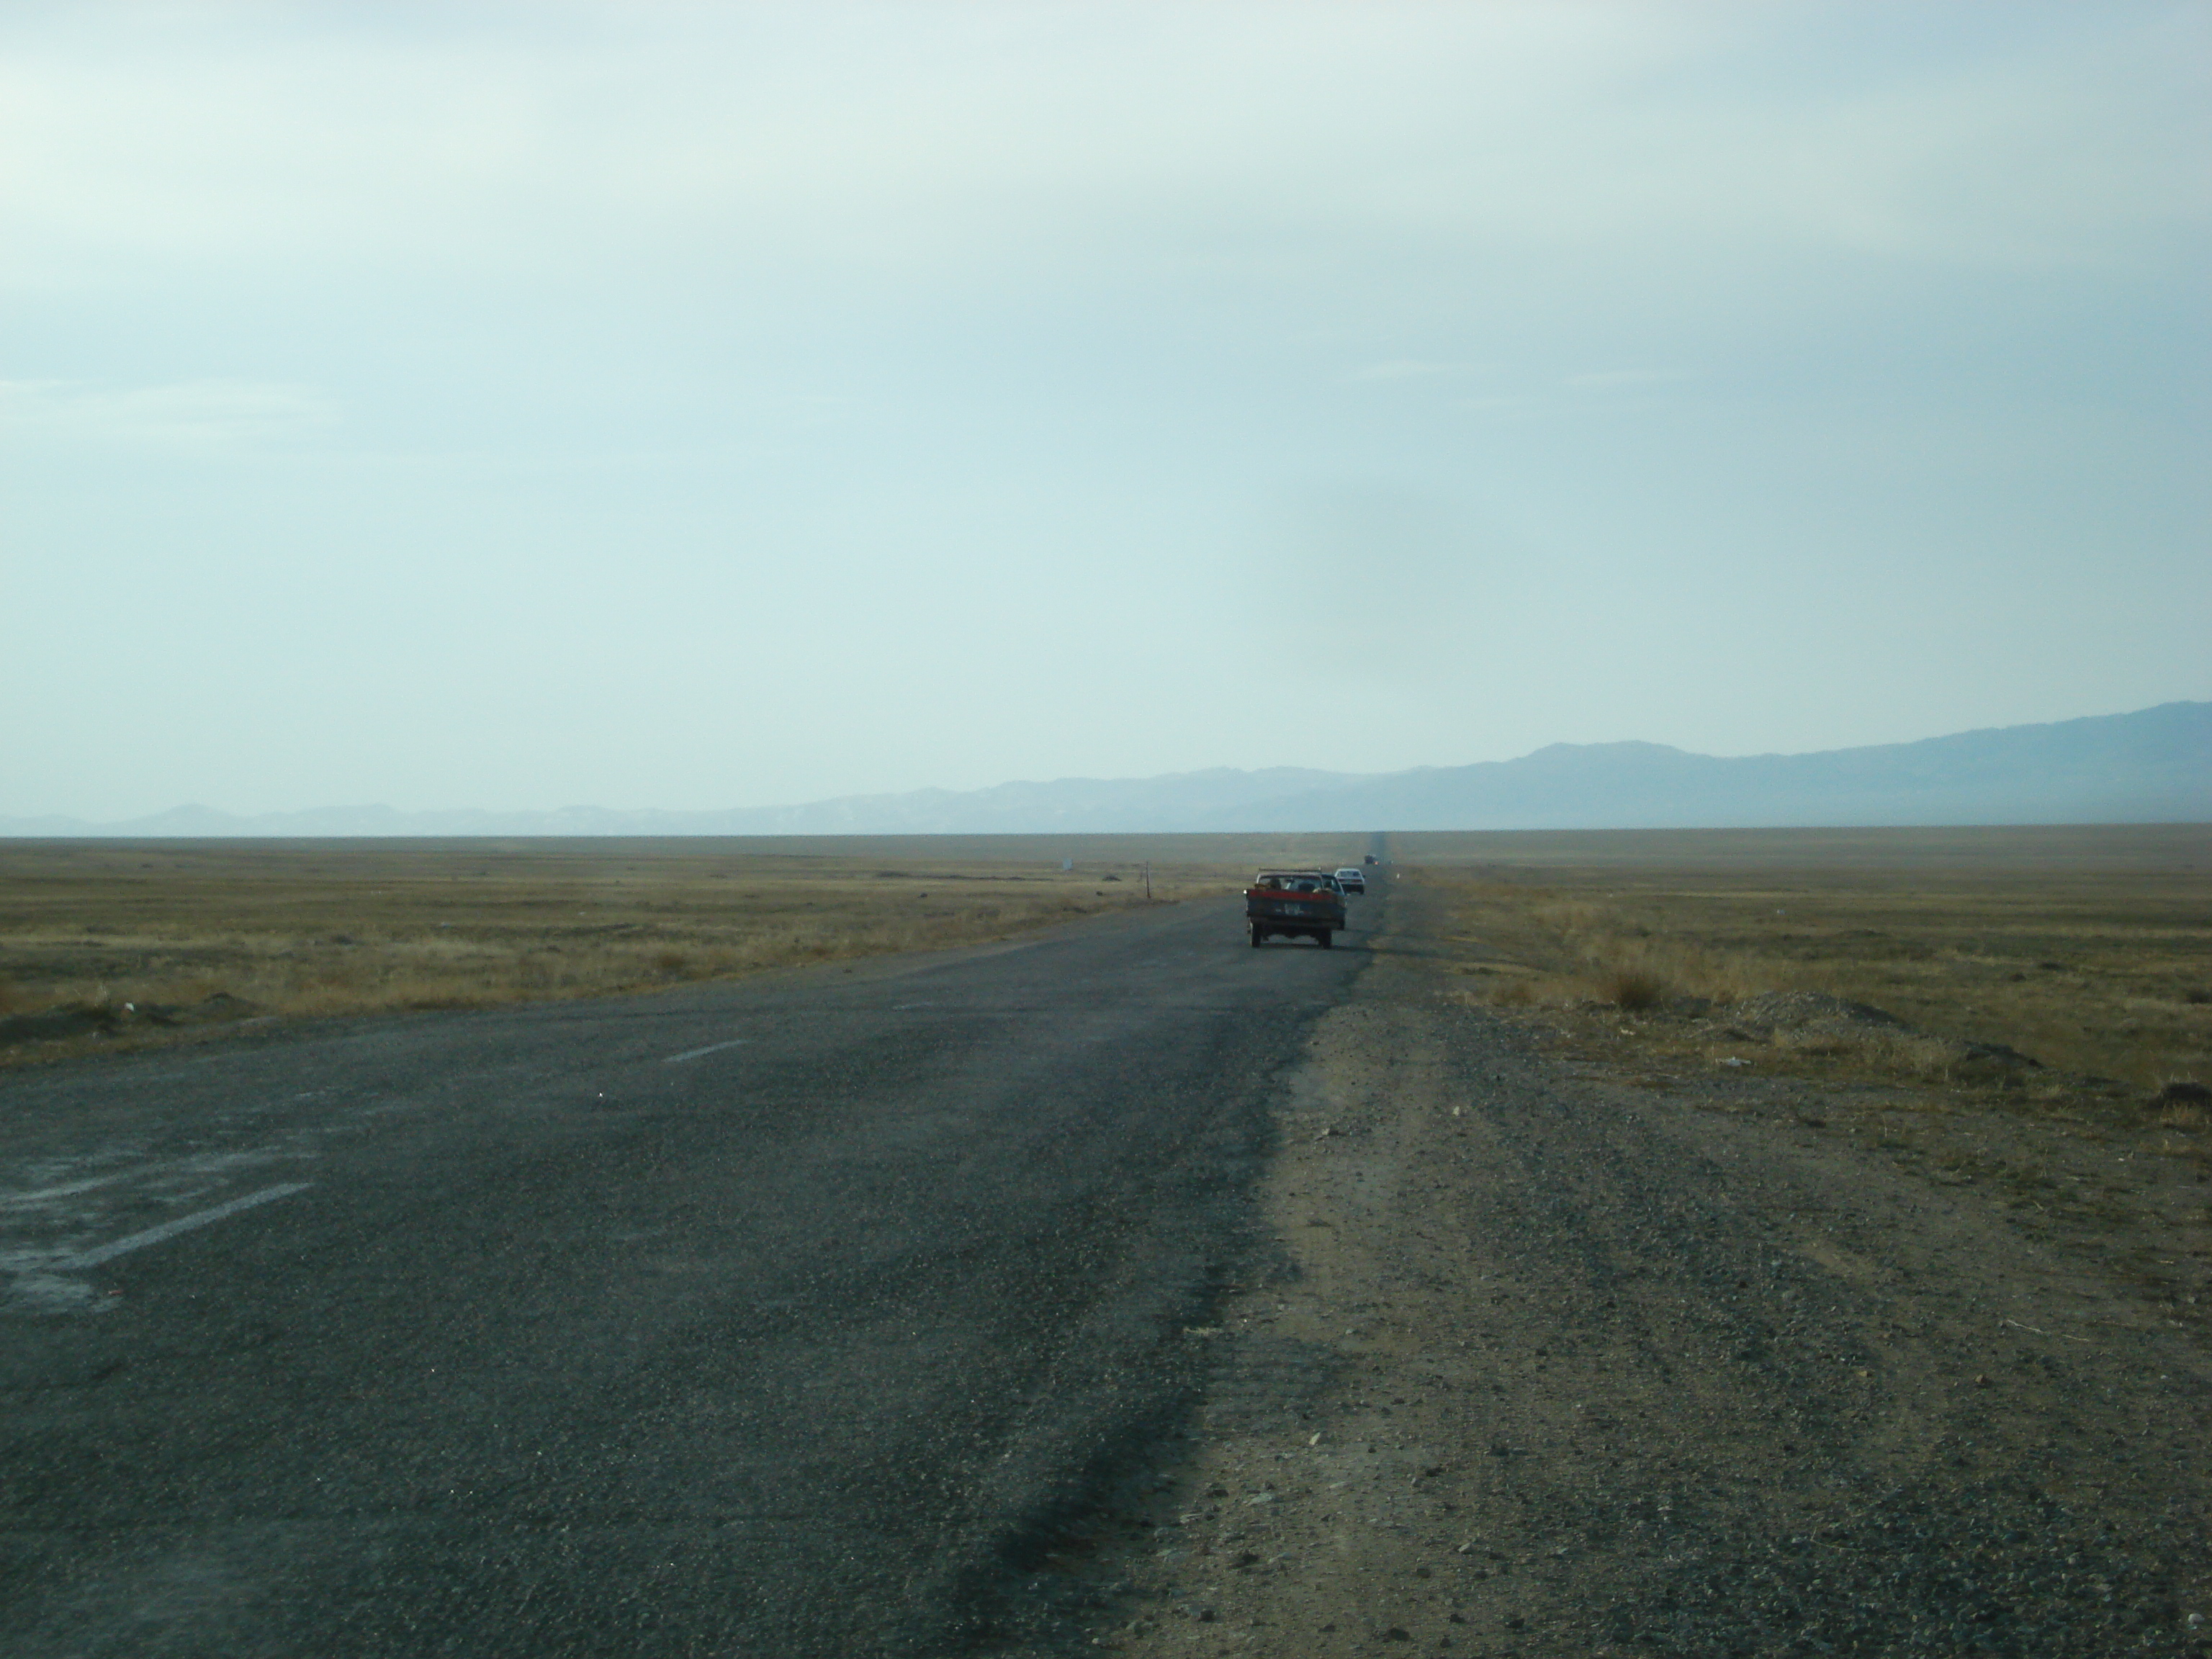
(525, 404)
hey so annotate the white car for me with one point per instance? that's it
(1351, 880)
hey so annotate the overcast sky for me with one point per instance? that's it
(519, 405)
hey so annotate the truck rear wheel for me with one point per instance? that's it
(1328, 940)
(1257, 936)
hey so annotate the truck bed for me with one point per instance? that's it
(1288, 912)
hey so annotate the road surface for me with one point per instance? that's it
(777, 1317)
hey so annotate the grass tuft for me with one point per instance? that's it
(1635, 988)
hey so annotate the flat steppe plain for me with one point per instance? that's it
(126, 944)
(1747, 1243)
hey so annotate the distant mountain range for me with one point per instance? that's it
(2152, 767)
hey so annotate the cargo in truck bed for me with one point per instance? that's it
(1287, 903)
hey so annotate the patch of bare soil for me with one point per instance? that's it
(1542, 1360)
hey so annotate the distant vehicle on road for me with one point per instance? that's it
(1350, 879)
(1291, 903)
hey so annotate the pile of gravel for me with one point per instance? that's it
(1801, 1010)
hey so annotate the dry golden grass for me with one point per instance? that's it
(146, 939)
(1749, 972)
(2089, 951)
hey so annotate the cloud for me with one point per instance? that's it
(1373, 580)
(1620, 379)
(197, 415)
(1404, 368)
(1098, 140)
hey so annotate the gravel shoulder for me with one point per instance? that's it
(1531, 1359)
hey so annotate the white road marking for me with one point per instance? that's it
(183, 1223)
(67, 1189)
(711, 1048)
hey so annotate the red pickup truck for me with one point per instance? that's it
(1294, 902)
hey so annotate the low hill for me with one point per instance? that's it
(2151, 767)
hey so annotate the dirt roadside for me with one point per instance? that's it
(1536, 1361)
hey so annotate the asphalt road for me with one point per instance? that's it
(779, 1317)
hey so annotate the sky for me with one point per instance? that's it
(688, 406)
